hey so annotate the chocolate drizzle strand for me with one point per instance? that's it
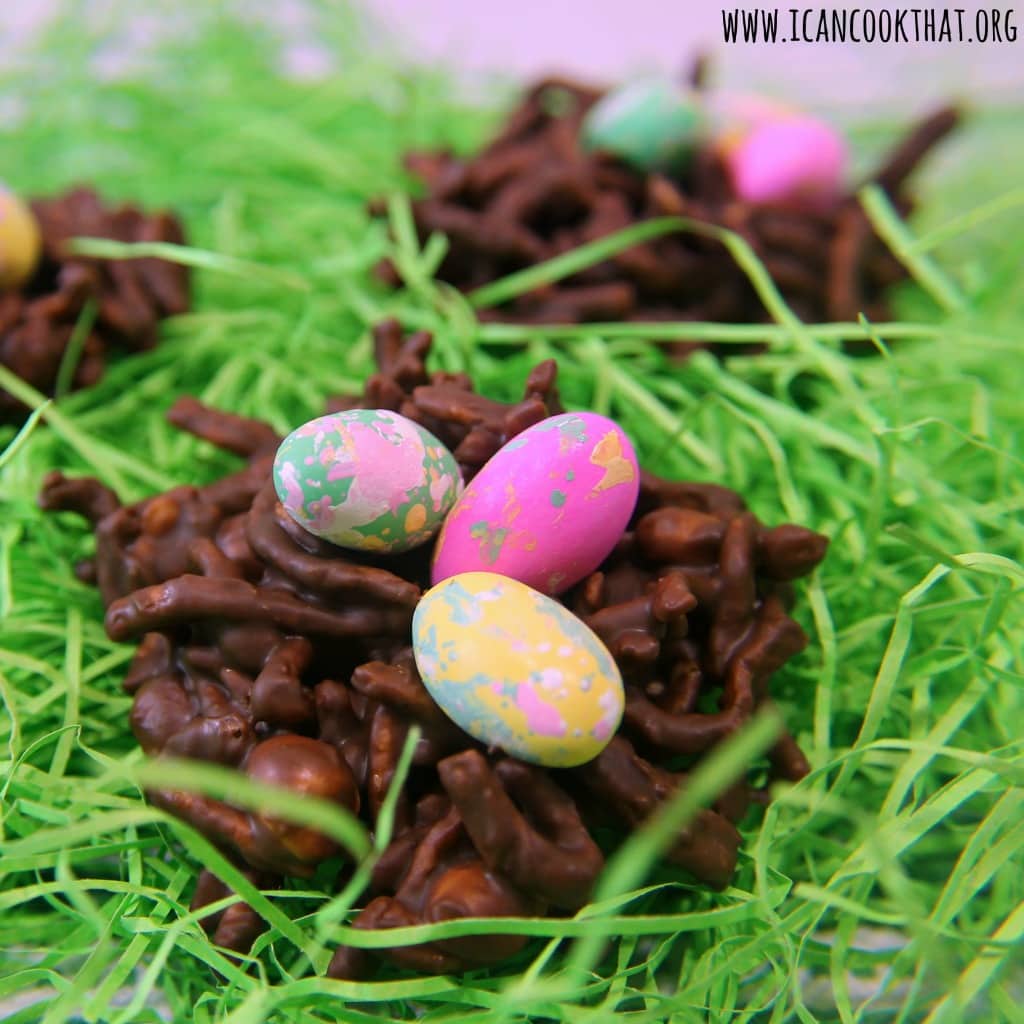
(130, 296)
(534, 193)
(265, 649)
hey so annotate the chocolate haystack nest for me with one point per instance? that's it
(534, 193)
(131, 296)
(264, 648)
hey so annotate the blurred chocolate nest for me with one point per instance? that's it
(265, 648)
(131, 296)
(534, 193)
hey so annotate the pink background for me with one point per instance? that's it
(603, 39)
(612, 38)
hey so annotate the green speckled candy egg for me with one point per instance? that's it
(367, 479)
(649, 123)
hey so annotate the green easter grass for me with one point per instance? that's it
(888, 886)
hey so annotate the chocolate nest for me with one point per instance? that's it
(131, 296)
(264, 648)
(533, 193)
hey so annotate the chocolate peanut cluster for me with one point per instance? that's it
(536, 191)
(264, 648)
(132, 296)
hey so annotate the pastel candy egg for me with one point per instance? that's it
(517, 670)
(650, 123)
(793, 158)
(20, 243)
(368, 479)
(734, 115)
(548, 508)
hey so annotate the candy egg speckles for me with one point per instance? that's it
(20, 243)
(517, 670)
(367, 479)
(548, 508)
(650, 123)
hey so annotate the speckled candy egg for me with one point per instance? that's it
(548, 508)
(20, 243)
(734, 115)
(367, 479)
(650, 123)
(776, 154)
(798, 158)
(517, 670)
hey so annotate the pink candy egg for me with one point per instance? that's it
(796, 157)
(774, 153)
(548, 508)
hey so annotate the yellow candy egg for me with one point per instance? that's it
(516, 669)
(20, 242)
